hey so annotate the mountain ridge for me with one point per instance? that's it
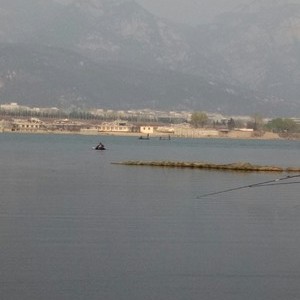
(237, 64)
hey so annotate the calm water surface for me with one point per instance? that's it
(74, 226)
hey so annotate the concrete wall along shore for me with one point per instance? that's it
(195, 132)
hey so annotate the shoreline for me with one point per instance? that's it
(237, 135)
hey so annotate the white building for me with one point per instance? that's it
(33, 124)
(117, 126)
(147, 129)
(11, 106)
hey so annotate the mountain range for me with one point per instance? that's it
(115, 54)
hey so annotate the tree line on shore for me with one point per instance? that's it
(88, 116)
(278, 125)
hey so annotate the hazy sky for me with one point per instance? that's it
(191, 11)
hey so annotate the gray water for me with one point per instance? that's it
(74, 226)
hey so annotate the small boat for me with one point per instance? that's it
(100, 146)
(165, 138)
(144, 137)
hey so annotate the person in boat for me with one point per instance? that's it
(100, 146)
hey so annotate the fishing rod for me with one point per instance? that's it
(258, 184)
(280, 183)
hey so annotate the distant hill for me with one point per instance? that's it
(259, 46)
(115, 54)
(43, 76)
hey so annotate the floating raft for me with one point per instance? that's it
(239, 166)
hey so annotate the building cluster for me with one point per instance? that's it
(35, 125)
(142, 122)
(118, 127)
(15, 107)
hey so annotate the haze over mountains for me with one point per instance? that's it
(115, 54)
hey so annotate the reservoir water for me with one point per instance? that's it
(75, 226)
